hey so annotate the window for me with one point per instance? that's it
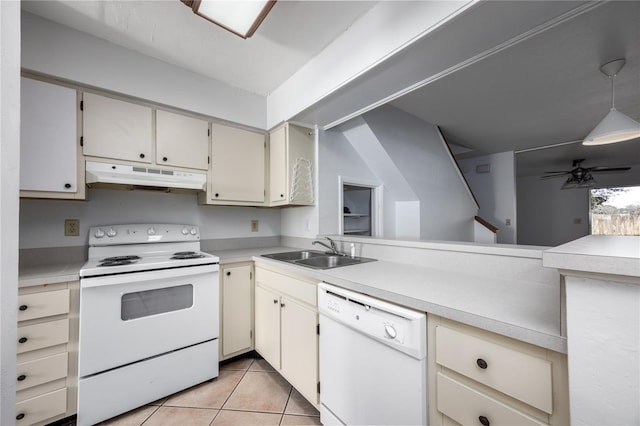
(615, 211)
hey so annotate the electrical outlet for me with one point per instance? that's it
(507, 222)
(71, 228)
(254, 226)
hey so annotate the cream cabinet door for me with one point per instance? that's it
(267, 312)
(237, 319)
(237, 164)
(48, 137)
(116, 129)
(278, 165)
(181, 141)
(300, 347)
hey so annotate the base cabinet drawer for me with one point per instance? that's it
(517, 374)
(32, 337)
(45, 304)
(44, 370)
(42, 407)
(470, 407)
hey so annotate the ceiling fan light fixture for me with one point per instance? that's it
(241, 17)
(615, 126)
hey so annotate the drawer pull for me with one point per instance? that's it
(484, 421)
(482, 364)
(21, 377)
(20, 416)
(23, 340)
(275, 300)
(23, 307)
(228, 274)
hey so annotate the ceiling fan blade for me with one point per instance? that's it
(609, 169)
(564, 172)
(554, 176)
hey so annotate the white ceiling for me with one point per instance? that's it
(544, 90)
(292, 33)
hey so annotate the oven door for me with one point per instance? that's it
(129, 317)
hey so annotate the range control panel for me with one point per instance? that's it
(142, 233)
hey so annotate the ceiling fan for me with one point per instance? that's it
(581, 177)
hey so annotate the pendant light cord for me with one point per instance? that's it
(613, 92)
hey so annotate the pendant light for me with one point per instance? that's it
(615, 126)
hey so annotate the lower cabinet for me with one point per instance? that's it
(46, 368)
(236, 309)
(286, 323)
(478, 377)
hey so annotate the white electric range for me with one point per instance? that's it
(149, 322)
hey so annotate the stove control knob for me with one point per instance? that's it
(193, 231)
(112, 233)
(99, 233)
(151, 231)
(185, 231)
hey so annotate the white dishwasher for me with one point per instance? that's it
(373, 360)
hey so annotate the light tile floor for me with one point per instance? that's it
(248, 391)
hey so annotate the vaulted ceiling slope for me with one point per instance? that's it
(292, 33)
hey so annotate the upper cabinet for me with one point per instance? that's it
(291, 165)
(120, 130)
(237, 166)
(181, 141)
(116, 129)
(50, 162)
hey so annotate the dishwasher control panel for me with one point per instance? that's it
(402, 328)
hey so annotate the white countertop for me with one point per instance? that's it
(49, 273)
(604, 254)
(526, 311)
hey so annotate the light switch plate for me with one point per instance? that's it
(254, 226)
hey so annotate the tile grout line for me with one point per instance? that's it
(285, 405)
(232, 391)
(149, 416)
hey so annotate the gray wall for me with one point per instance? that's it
(495, 191)
(9, 172)
(414, 146)
(42, 221)
(547, 214)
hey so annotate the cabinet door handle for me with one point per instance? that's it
(67, 185)
(217, 195)
(20, 416)
(228, 273)
(484, 421)
(275, 300)
(141, 155)
(482, 363)
(282, 305)
(164, 158)
(281, 195)
(22, 340)
(21, 377)
(23, 307)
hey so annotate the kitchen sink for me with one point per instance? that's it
(317, 259)
(294, 255)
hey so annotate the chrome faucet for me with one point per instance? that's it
(332, 249)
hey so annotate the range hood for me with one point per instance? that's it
(141, 176)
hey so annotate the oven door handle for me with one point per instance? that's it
(116, 279)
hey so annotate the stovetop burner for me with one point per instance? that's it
(183, 255)
(118, 260)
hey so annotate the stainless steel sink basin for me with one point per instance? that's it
(294, 255)
(316, 259)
